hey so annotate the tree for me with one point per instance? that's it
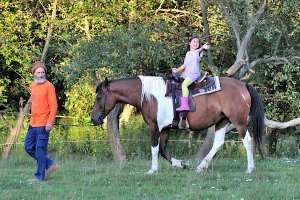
(242, 65)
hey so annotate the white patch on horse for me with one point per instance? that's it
(155, 86)
(245, 100)
(218, 142)
(247, 141)
(154, 165)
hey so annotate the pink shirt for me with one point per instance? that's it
(191, 62)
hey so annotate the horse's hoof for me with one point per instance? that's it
(184, 165)
(152, 171)
(250, 169)
(200, 169)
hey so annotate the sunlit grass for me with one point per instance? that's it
(82, 177)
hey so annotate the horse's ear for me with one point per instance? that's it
(105, 82)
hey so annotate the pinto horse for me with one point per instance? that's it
(233, 104)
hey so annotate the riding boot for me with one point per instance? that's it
(184, 104)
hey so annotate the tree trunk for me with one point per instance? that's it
(87, 29)
(243, 45)
(208, 143)
(272, 142)
(49, 33)
(211, 62)
(116, 145)
(14, 132)
(23, 112)
(113, 117)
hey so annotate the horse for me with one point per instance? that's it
(233, 104)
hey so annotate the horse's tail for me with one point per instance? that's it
(257, 114)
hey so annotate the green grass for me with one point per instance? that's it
(87, 178)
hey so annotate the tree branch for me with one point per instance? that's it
(211, 62)
(178, 11)
(160, 5)
(274, 59)
(50, 29)
(249, 10)
(273, 124)
(246, 40)
(232, 22)
(87, 29)
(187, 13)
(282, 125)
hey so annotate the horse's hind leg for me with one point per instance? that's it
(218, 142)
(164, 137)
(247, 141)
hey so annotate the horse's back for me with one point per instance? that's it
(233, 90)
(232, 102)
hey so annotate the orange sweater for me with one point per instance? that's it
(43, 104)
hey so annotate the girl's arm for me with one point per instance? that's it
(205, 46)
(176, 70)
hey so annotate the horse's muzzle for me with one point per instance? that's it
(96, 121)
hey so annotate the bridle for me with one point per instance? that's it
(102, 103)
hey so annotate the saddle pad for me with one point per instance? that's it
(213, 88)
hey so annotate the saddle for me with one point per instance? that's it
(204, 85)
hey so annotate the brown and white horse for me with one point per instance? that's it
(232, 104)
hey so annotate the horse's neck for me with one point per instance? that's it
(127, 91)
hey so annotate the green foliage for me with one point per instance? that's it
(80, 139)
(3, 98)
(288, 146)
(79, 101)
(22, 30)
(281, 87)
(125, 51)
(135, 137)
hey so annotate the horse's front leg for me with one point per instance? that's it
(164, 137)
(154, 149)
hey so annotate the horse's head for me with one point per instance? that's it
(104, 103)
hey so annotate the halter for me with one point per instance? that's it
(102, 102)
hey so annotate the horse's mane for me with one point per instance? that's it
(114, 80)
(123, 79)
(152, 86)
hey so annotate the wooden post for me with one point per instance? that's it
(14, 131)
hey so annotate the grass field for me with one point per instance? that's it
(88, 178)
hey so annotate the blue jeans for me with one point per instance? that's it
(36, 144)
